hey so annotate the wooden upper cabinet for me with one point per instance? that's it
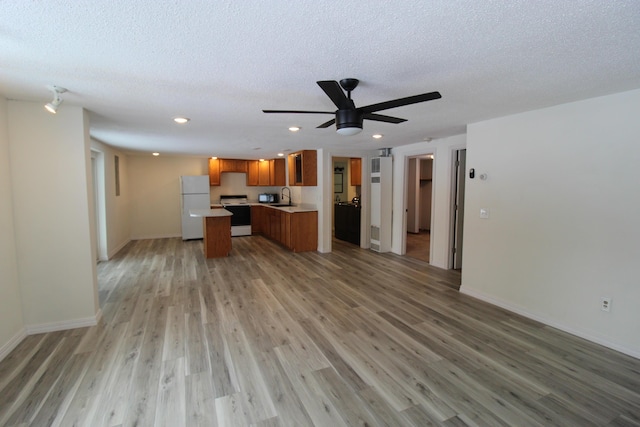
(214, 172)
(303, 168)
(355, 171)
(266, 173)
(277, 173)
(233, 165)
(252, 172)
(263, 172)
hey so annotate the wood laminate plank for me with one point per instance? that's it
(174, 333)
(196, 357)
(171, 407)
(352, 408)
(319, 407)
(200, 405)
(288, 405)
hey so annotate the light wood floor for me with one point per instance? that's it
(418, 245)
(270, 338)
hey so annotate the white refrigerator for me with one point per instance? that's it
(194, 195)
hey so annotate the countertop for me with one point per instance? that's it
(209, 212)
(304, 207)
(293, 208)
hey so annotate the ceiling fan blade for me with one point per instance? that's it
(298, 111)
(401, 102)
(383, 118)
(327, 124)
(334, 91)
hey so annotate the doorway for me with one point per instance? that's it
(346, 213)
(419, 207)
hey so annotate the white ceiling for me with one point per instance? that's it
(134, 65)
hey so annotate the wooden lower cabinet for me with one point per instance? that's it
(304, 231)
(257, 219)
(217, 236)
(297, 231)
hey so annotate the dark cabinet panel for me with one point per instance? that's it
(347, 223)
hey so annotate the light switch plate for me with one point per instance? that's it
(484, 213)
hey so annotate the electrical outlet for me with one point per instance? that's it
(605, 304)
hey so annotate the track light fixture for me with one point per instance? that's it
(52, 106)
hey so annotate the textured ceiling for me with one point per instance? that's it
(134, 65)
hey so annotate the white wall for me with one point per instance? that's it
(11, 321)
(50, 179)
(154, 185)
(562, 194)
(443, 151)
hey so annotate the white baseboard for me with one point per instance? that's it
(63, 325)
(521, 311)
(12, 343)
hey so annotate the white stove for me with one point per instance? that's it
(239, 206)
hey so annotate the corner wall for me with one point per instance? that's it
(50, 180)
(11, 321)
(562, 232)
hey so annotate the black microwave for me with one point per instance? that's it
(268, 198)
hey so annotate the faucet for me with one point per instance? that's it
(288, 194)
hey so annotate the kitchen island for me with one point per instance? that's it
(294, 227)
(217, 231)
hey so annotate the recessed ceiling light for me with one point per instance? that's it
(156, 154)
(294, 128)
(280, 154)
(262, 160)
(377, 136)
(214, 158)
(181, 120)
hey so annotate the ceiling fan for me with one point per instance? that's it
(348, 118)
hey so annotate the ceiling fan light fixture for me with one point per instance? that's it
(349, 131)
(348, 122)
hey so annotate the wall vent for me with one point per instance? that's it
(375, 180)
(375, 233)
(375, 165)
